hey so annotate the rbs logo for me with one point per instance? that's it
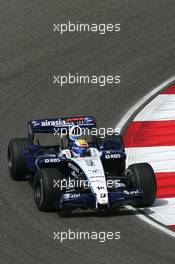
(112, 156)
(51, 160)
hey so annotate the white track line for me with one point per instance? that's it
(150, 222)
(121, 124)
(161, 108)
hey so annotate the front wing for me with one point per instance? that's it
(117, 198)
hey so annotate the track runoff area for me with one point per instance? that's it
(149, 136)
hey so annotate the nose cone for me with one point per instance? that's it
(102, 198)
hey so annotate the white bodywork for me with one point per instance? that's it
(93, 169)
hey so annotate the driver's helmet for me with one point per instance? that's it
(79, 147)
(74, 137)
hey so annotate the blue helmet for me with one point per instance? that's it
(74, 137)
(79, 146)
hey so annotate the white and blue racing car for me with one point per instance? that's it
(77, 172)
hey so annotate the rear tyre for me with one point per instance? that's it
(141, 175)
(47, 191)
(16, 162)
(114, 141)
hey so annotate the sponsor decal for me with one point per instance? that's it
(35, 123)
(74, 174)
(112, 156)
(101, 188)
(102, 195)
(90, 171)
(90, 163)
(134, 192)
(53, 160)
(59, 122)
(55, 123)
(69, 196)
(70, 165)
(96, 176)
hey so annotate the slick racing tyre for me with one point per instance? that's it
(141, 175)
(47, 191)
(16, 161)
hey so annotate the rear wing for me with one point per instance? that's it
(59, 124)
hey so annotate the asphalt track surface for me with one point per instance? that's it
(142, 53)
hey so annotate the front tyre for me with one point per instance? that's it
(47, 192)
(141, 175)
